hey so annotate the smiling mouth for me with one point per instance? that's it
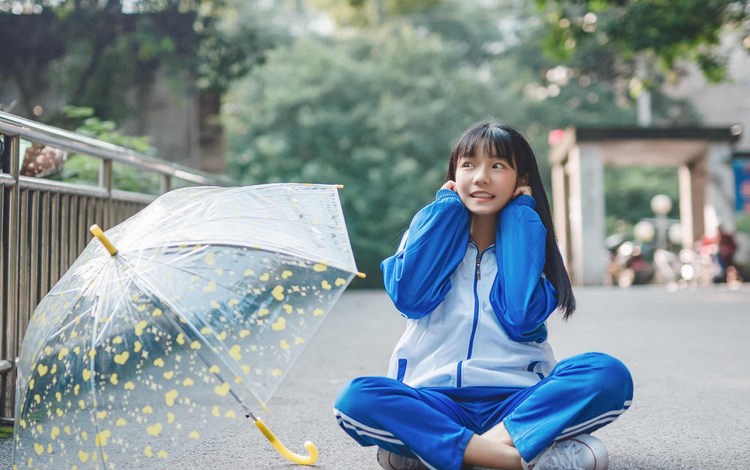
(482, 196)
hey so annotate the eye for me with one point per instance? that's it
(499, 166)
(467, 164)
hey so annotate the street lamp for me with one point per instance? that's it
(674, 234)
(661, 204)
(644, 231)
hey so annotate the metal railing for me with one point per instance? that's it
(44, 223)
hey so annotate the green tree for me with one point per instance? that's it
(377, 114)
(629, 192)
(99, 54)
(656, 30)
(377, 108)
(365, 13)
(83, 169)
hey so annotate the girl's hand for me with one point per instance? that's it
(450, 184)
(522, 190)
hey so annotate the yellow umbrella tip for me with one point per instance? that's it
(361, 275)
(99, 234)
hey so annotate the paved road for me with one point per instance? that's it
(688, 352)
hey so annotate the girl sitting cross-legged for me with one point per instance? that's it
(473, 381)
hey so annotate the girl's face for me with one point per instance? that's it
(485, 184)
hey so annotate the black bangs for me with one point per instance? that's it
(499, 144)
(495, 141)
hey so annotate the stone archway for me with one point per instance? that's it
(578, 156)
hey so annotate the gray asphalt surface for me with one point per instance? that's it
(688, 352)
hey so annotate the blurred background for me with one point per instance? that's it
(372, 93)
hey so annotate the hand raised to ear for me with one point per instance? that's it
(522, 190)
(450, 184)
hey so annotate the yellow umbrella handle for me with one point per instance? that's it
(291, 456)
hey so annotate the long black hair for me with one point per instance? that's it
(503, 141)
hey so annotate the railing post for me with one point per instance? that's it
(105, 181)
(5, 310)
(165, 184)
(10, 333)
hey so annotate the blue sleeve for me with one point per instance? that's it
(521, 297)
(417, 277)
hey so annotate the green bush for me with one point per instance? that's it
(84, 169)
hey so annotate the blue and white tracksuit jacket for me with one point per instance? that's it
(474, 352)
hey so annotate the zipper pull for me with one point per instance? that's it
(479, 269)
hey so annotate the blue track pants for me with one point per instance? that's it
(582, 394)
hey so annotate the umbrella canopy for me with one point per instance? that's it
(193, 314)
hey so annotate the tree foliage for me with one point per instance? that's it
(83, 169)
(100, 53)
(377, 109)
(364, 13)
(374, 105)
(658, 30)
(629, 192)
(377, 115)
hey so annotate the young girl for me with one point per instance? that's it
(473, 380)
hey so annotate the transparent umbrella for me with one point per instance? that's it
(175, 321)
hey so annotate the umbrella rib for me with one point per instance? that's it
(300, 257)
(94, 341)
(180, 268)
(55, 329)
(146, 286)
(92, 280)
(182, 242)
(209, 220)
(186, 209)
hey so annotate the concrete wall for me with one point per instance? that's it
(170, 117)
(586, 170)
(723, 104)
(720, 195)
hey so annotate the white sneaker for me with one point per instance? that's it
(582, 452)
(390, 461)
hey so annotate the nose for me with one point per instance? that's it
(481, 175)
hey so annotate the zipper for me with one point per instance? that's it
(477, 277)
(475, 324)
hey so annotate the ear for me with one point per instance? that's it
(522, 181)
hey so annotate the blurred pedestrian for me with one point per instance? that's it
(727, 249)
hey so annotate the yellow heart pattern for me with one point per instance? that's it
(122, 358)
(278, 293)
(151, 358)
(102, 437)
(170, 397)
(279, 324)
(154, 429)
(222, 389)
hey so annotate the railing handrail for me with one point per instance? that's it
(43, 222)
(13, 125)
